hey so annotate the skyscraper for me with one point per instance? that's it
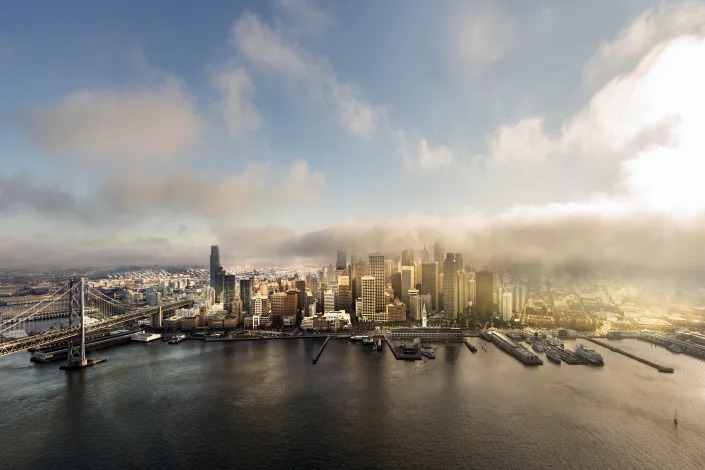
(452, 264)
(246, 293)
(438, 250)
(341, 260)
(407, 282)
(215, 263)
(228, 291)
(425, 257)
(376, 262)
(396, 284)
(507, 306)
(300, 284)
(429, 283)
(368, 295)
(484, 291)
(407, 258)
(361, 270)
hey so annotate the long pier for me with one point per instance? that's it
(658, 367)
(320, 351)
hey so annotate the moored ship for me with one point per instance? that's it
(145, 337)
(177, 339)
(553, 355)
(429, 353)
(538, 347)
(590, 355)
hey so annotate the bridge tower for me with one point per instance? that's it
(77, 315)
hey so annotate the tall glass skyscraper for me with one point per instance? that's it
(215, 264)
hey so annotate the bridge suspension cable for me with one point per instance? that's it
(56, 296)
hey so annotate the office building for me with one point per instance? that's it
(407, 282)
(368, 296)
(214, 263)
(429, 283)
(300, 285)
(484, 291)
(396, 312)
(376, 264)
(341, 260)
(507, 306)
(451, 266)
(344, 298)
(361, 270)
(246, 294)
(407, 258)
(229, 286)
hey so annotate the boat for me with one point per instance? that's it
(675, 417)
(429, 353)
(674, 348)
(538, 347)
(470, 346)
(590, 355)
(367, 340)
(177, 339)
(357, 338)
(555, 342)
(377, 345)
(553, 355)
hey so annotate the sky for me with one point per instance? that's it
(281, 130)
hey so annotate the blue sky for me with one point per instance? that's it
(142, 132)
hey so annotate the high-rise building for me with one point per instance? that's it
(276, 303)
(300, 285)
(507, 306)
(425, 257)
(328, 301)
(219, 283)
(429, 283)
(246, 294)
(396, 312)
(291, 303)
(452, 264)
(345, 298)
(438, 254)
(472, 298)
(368, 295)
(407, 257)
(215, 263)
(389, 270)
(484, 291)
(229, 284)
(463, 297)
(361, 270)
(341, 261)
(377, 271)
(407, 282)
(396, 284)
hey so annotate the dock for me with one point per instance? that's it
(400, 355)
(658, 367)
(320, 351)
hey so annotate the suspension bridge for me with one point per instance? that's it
(87, 309)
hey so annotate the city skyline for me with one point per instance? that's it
(499, 128)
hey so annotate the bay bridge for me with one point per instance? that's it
(88, 311)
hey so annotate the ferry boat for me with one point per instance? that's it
(555, 342)
(367, 340)
(429, 353)
(177, 339)
(553, 355)
(357, 338)
(590, 355)
(674, 348)
(538, 347)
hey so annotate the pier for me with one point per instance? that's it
(320, 351)
(658, 367)
(402, 355)
(470, 346)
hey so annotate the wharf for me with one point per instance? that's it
(658, 367)
(402, 356)
(320, 351)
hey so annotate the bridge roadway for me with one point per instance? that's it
(53, 336)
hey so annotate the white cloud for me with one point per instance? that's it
(267, 50)
(524, 141)
(304, 17)
(106, 126)
(482, 36)
(643, 34)
(434, 157)
(237, 109)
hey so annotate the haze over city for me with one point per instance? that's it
(545, 132)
